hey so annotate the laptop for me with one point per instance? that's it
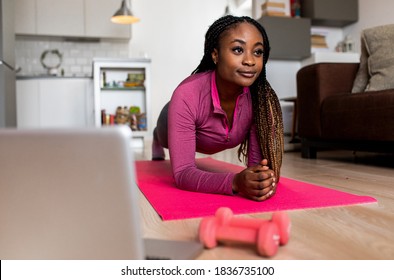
(72, 194)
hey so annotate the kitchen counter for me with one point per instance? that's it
(44, 76)
(54, 101)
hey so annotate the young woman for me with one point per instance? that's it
(226, 102)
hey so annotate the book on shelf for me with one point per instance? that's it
(295, 8)
(319, 41)
(278, 8)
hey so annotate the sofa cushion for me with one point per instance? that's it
(365, 116)
(362, 77)
(376, 70)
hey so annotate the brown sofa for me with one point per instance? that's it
(330, 116)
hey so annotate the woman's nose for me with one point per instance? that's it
(249, 59)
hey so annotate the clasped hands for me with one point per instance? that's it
(256, 182)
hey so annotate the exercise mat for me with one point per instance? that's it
(156, 182)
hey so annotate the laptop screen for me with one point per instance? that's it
(68, 194)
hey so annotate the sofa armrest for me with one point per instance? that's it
(315, 83)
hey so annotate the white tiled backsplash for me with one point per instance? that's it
(77, 56)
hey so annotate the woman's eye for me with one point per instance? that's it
(259, 52)
(237, 50)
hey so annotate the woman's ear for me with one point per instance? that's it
(215, 56)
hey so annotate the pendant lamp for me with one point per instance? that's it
(227, 9)
(124, 15)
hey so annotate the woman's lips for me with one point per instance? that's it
(247, 74)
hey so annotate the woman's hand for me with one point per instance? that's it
(256, 182)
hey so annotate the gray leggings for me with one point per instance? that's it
(160, 133)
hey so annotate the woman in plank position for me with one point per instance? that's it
(226, 101)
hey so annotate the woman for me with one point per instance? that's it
(226, 102)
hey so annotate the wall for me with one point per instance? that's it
(371, 14)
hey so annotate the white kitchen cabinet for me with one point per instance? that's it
(71, 18)
(27, 103)
(60, 18)
(25, 17)
(123, 83)
(54, 103)
(97, 20)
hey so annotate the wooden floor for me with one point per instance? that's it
(352, 232)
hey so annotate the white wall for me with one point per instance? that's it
(172, 33)
(371, 14)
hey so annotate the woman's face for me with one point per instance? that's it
(239, 59)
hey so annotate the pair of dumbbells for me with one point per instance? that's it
(224, 227)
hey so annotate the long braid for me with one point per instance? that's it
(269, 124)
(266, 106)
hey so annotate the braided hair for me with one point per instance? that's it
(265, 103)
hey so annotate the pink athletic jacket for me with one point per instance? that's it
(197, 123)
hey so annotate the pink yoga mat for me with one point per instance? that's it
(156, 182)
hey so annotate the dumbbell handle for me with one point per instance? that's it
(247, 223)
(236, 234)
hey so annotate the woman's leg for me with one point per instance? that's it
(160, 135)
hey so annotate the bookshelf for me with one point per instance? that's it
(122, 94)
(332, 13)
(290, 38)
(338, 57)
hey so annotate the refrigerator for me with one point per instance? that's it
(7, 65)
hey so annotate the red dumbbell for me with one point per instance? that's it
(225, 216)
(266, 237)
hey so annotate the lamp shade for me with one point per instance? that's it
(124, 15)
